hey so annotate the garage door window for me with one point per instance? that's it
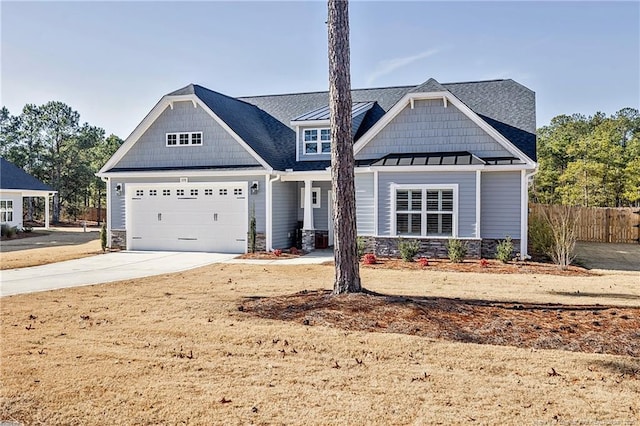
(208, 192)
(222, 192)
(194, 192)
(166, 192)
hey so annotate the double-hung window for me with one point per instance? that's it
(6, 211)
(425, 211)
(317, 141)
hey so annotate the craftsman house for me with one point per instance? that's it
(433, 162)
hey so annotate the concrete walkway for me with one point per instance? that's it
(102, 269)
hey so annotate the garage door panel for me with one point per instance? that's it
(210, 222)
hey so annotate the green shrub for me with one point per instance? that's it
(504, 249)
(7, 230)
(103, 237)
(457, 250)
(252, 231)
(540, 236)
(408, 249)
(361, 244)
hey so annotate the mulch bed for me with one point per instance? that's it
(269, 255)
(580, 328)
(492, 267)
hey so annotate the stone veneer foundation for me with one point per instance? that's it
(434, 247)
(118, 239)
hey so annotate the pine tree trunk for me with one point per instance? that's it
(347, 275)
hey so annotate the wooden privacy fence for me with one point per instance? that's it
(600, 224)
(91, 214)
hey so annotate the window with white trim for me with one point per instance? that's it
(426, 212)
(317, 141)
(6, 211)
(184, 139)
(315, 198)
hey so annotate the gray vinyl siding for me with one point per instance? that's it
(285, 220)
(500, 208)
(310, 157)
(466, 197)
(430, 127)
(365, 208)
(117, 207)
(218, 147)
(320, 214)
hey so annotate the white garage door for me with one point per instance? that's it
(187, 217)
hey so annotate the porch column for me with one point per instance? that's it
(46, 211)
(308, 233)
(308, 209)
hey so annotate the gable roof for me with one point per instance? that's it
(13, 177)
(266, 123)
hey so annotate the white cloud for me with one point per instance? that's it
(388, 66)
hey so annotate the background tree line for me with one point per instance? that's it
(589, 161)
(50, 143)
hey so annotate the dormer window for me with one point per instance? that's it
(184, 139)
(317, 141)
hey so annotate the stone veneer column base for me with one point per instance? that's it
(118, 239)
(261, 242)
(308, 240)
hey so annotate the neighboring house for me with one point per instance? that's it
(433, 162)
(15, 184)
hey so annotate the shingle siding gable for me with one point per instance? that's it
(218, 148)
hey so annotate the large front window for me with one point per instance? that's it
(317, 141)
(425, 212)
(6, 211)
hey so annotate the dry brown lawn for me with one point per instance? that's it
(45, 255)
(176, 349)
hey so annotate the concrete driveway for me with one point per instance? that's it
(608, 256)
(53, 237)
(102, 269)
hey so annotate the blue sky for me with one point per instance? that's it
(112, 61)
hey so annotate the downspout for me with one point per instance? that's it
(269, 212)
(524, 214)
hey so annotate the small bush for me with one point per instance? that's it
(504, 249)
(369, 259)
(424, 262)
(103, 237)
(408, 249)
(484, 263)
(277, 252)
(361, 244)
(457, 250)
(540, 236)
(8, 231)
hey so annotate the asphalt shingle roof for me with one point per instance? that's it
(264, 122)
(13, 177)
